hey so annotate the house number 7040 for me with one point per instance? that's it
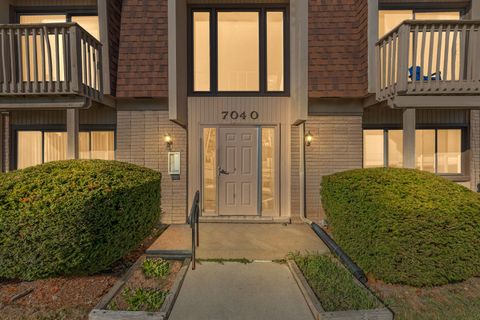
(235, 115)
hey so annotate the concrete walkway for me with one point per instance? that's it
(234, 241)
(259, 290)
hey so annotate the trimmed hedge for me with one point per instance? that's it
(74, 217)
(405, 226)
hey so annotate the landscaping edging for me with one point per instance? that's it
(101, 313)
(318, 311)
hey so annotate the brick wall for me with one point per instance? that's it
(140, 141)
(143, 52)
(338, 48)
(337, 146)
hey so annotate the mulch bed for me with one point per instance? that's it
(139, 280)
(64, 297)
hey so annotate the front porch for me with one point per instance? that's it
(240, 241)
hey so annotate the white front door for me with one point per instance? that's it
(238, 171)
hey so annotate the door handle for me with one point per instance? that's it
(221, 171)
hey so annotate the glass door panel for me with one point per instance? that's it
(210, 170)
(268, 170)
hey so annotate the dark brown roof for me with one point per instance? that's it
(142, 62)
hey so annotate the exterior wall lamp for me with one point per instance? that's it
(308, 139)
(168, 141)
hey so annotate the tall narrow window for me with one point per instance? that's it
(268, 169)
(210, 170)
(425, 150)
(275, 53)
(201, 51)
(29, 148)
(238, 51)
(449, 153)
(373, 148)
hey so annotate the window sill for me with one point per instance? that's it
(456, 178)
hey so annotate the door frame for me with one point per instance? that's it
(277, 208)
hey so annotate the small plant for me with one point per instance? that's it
(156, 268)
(142, 299)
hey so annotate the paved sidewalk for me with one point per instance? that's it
(259, 290)
(234, 241)
(256, 241)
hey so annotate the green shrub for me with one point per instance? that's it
(155, 268)
(333, 285)
(74, 217)
(405, 226)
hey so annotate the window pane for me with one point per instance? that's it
(103, 145)
(275, 46)
(55, 146)
(268, 169)
(29, 149)
(373, 148)
(84, 145)
(449, 148)
(201, 51)
(238, 51)
(389, 19)
(395, 148)
(425, 150)
(39, 19)
(210, 170)
(89, 23)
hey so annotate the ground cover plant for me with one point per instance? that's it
(333, 285)
(147, 286)
(405, 226)
(144, 299)
(155, 268)
(74, 217)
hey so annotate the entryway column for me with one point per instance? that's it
(409, 126)
(1, 143)
(5, 142)
(73, 124)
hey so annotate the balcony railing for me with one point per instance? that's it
(429, 58)
(50, 59)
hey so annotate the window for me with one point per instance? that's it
(268, 170)
(436, 150)
(37, 147)
(390, 19)
(238, 51)
(210, 170)
(89, 22)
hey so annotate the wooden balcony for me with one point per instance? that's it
(431, 64)
(49, 60)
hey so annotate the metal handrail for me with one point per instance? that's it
(193, 220)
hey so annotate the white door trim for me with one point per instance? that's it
(277, 212)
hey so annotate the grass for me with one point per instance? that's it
(155, 268)
(150, 300)
(459, 301)
(333, 285)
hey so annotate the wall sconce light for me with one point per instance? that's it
(168, 141)
(308, 139)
